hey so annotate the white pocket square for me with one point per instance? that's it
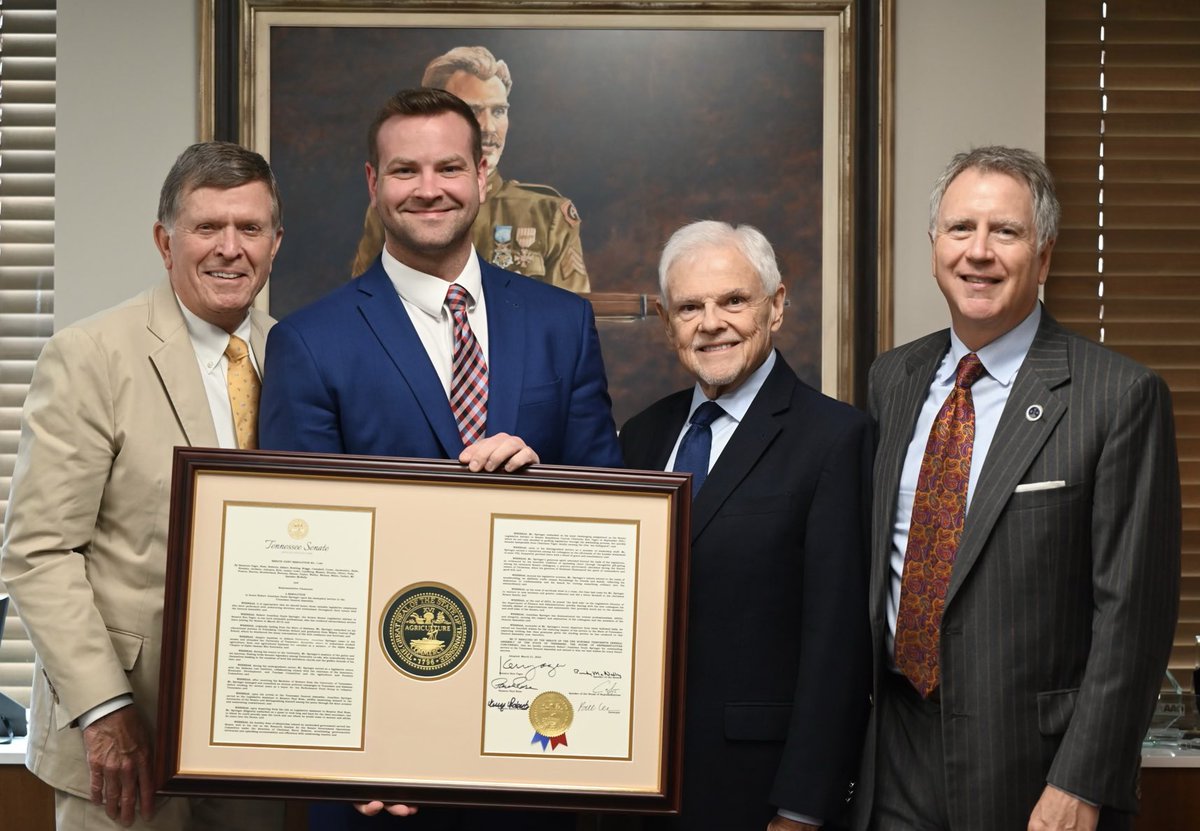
(1040, 486)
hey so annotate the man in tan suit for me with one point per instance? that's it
(84, 552)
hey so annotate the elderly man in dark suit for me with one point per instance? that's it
(777, 634)
(1025, 553)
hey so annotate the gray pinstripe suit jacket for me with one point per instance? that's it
(1062, 602)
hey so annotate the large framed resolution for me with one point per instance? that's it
(344, 627)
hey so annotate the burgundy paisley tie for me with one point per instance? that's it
(939, 507)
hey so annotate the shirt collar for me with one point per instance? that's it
(428, 293)
(1003, 356)
(210, 341)
(737, 402)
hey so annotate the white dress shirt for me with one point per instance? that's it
(209, 343)
(735, 404)
(424, 298)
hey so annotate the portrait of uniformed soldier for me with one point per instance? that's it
(528, 228)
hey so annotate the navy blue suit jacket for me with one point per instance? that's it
(778, 675)
(348, 374)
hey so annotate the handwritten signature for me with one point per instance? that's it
(597, 673)
(519, 682)
(511, 704)
(601, 707)
(520, 675)
(607, 688)
(510, 666)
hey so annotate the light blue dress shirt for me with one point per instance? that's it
(735, 404)
(1001, 359)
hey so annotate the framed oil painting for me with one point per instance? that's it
(637, 117)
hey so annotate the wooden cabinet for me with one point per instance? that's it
(27, 803)
(1170, 799)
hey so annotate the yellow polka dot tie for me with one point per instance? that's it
(243, 392)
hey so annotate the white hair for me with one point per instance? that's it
(694, 237)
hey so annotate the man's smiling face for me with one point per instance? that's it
(719, 318)
(427, 190)
(985, 256)
(219, 249)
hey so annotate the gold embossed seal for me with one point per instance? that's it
(551, 714)
(427, 630)
(297, 529)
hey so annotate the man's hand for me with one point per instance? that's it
(119, 756)
(1059, 811)
(370, 809)
(500, 450)
(779, 823)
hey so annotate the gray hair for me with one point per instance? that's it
(1022, 165)
(215, 164)
(474, 60)
(696, 236)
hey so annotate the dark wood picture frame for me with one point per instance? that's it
(197, 576)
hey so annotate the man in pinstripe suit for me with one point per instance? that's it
(1057, 618)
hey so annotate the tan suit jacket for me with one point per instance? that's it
(85, 546)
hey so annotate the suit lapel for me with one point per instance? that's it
(899, 410)
(175, 362)
(259, 324)
(749, 441)
(1017, 441)
(506, 343)
(385, 314)
(655, 451)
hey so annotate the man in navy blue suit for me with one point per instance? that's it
(369, 368)
(433, 353)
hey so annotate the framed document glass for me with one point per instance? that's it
(360, 628)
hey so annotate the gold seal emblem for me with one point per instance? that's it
(427, 631)
(551, 714)
(297, 529)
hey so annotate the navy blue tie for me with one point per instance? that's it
(697, 443)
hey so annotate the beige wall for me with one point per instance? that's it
(968, 72)
(127, 93)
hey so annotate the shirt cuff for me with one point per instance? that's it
(101, 710)
(794, 817)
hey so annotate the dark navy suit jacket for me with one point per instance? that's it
(348, 374)
(778, 672)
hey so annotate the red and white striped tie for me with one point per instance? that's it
(469, 378)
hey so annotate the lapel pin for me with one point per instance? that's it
(1034, 412)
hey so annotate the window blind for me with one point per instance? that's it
(27, 77)
(1123, 142)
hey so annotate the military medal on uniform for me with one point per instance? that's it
(526, 237)
(502, 254)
